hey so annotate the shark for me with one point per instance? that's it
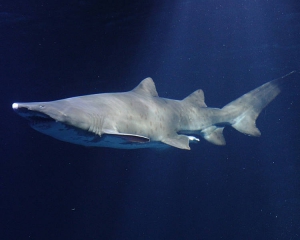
(141, 119)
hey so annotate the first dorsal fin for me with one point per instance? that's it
(196, 98)
(146, 88)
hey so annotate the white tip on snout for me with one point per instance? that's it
(15, 106)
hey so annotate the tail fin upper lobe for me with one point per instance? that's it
(247, 108)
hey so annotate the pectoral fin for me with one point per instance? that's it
(130, 138)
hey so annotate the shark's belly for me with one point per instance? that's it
(74, 135)
(113, 142)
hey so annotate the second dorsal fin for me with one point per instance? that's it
(196, 98)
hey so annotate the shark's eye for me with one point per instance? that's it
(41, 106)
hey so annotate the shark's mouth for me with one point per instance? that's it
(40, 120)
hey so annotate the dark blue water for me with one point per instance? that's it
(249, 189)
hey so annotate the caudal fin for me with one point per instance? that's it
(246, 109)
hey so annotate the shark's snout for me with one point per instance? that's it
(32, 113)
(59, 120)
(15, 106)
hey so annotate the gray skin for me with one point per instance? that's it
(141, 119)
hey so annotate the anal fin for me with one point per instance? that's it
(214, 135)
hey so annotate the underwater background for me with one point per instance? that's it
(248, 189)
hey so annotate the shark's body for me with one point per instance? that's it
(141, 119)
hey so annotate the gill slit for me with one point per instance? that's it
(96, 124)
